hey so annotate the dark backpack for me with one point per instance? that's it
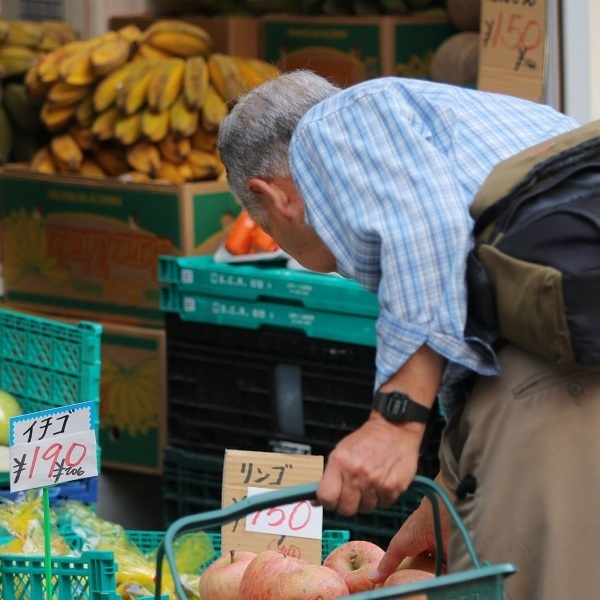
(533, 275)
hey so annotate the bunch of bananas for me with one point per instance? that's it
(22, 45)
(141, 106)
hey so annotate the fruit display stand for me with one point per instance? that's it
(91, 576)
(482, 581)
(46, 364)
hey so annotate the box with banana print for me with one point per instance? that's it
(89, 247)
(133, 403)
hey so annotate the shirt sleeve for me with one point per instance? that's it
(387, 203)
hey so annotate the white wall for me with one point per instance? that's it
(581, 55)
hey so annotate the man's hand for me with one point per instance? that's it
(416, 535)
(371, 467)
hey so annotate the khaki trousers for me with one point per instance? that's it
(530, 438)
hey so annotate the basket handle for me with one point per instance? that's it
(289, 495)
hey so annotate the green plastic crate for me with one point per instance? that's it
(93, 575)
(314, 291)
(339, 327)
(47, 364)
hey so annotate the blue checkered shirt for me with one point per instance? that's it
(387, 170)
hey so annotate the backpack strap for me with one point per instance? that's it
(524, 170)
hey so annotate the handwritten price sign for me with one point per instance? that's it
(52, 446)
(300, 519)
(512, 57)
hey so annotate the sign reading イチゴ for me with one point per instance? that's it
(52, 447)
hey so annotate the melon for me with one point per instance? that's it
(465, 15)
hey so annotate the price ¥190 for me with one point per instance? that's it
(60, 461)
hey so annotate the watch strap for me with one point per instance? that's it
(398, 407)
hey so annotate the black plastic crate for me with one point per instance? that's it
(269, 390)
(263, 389)
(192, 484)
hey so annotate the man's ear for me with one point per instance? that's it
(274, 192)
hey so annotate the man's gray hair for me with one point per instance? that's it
(254, 137)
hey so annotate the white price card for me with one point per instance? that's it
(299, 519)
(52, 447)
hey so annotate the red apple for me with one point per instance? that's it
(404, 576)
(310, 582)
(355, 561)
(262, 574)
(221, 580)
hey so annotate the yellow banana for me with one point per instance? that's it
(42, 161)
(60, 31)
(204, 140)
(195, 81)
(254, 73)
(77, 69)
(66, 94)
(56, 118)
(184, 121)
(266, 69)
(110, 55)
(4, 29)
(174, 150)
(134, 93)
(214, 110)
(112, 159)
(225, 76)
(178, 38)
(104, 124)
(84, 113)
(90, 168)
(166, 84)
(17, 60)
(24, 33)
(131, 32)
(66, 151)
(48, 68)
(204, 164)
(107, 90)
(147, 52)
(38, 90)
(84, 136)
(155, 126)
(144, 157)
(128, 129)
(170, 172)
(186, 171)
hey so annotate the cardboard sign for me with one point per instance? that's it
(513, 48)
(295, 530)
(52, 447)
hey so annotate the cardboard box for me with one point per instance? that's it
(236, 36)
(271, 471)
(348, 50)
(133, 398)
(89, 248)
(345, 50)
(416, 40)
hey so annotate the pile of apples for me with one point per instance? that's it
(271, 575)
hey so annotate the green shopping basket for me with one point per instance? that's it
(483, 581)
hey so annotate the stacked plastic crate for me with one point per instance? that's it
(264, 358)
(45, 364)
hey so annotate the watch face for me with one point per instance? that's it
(396, 404)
